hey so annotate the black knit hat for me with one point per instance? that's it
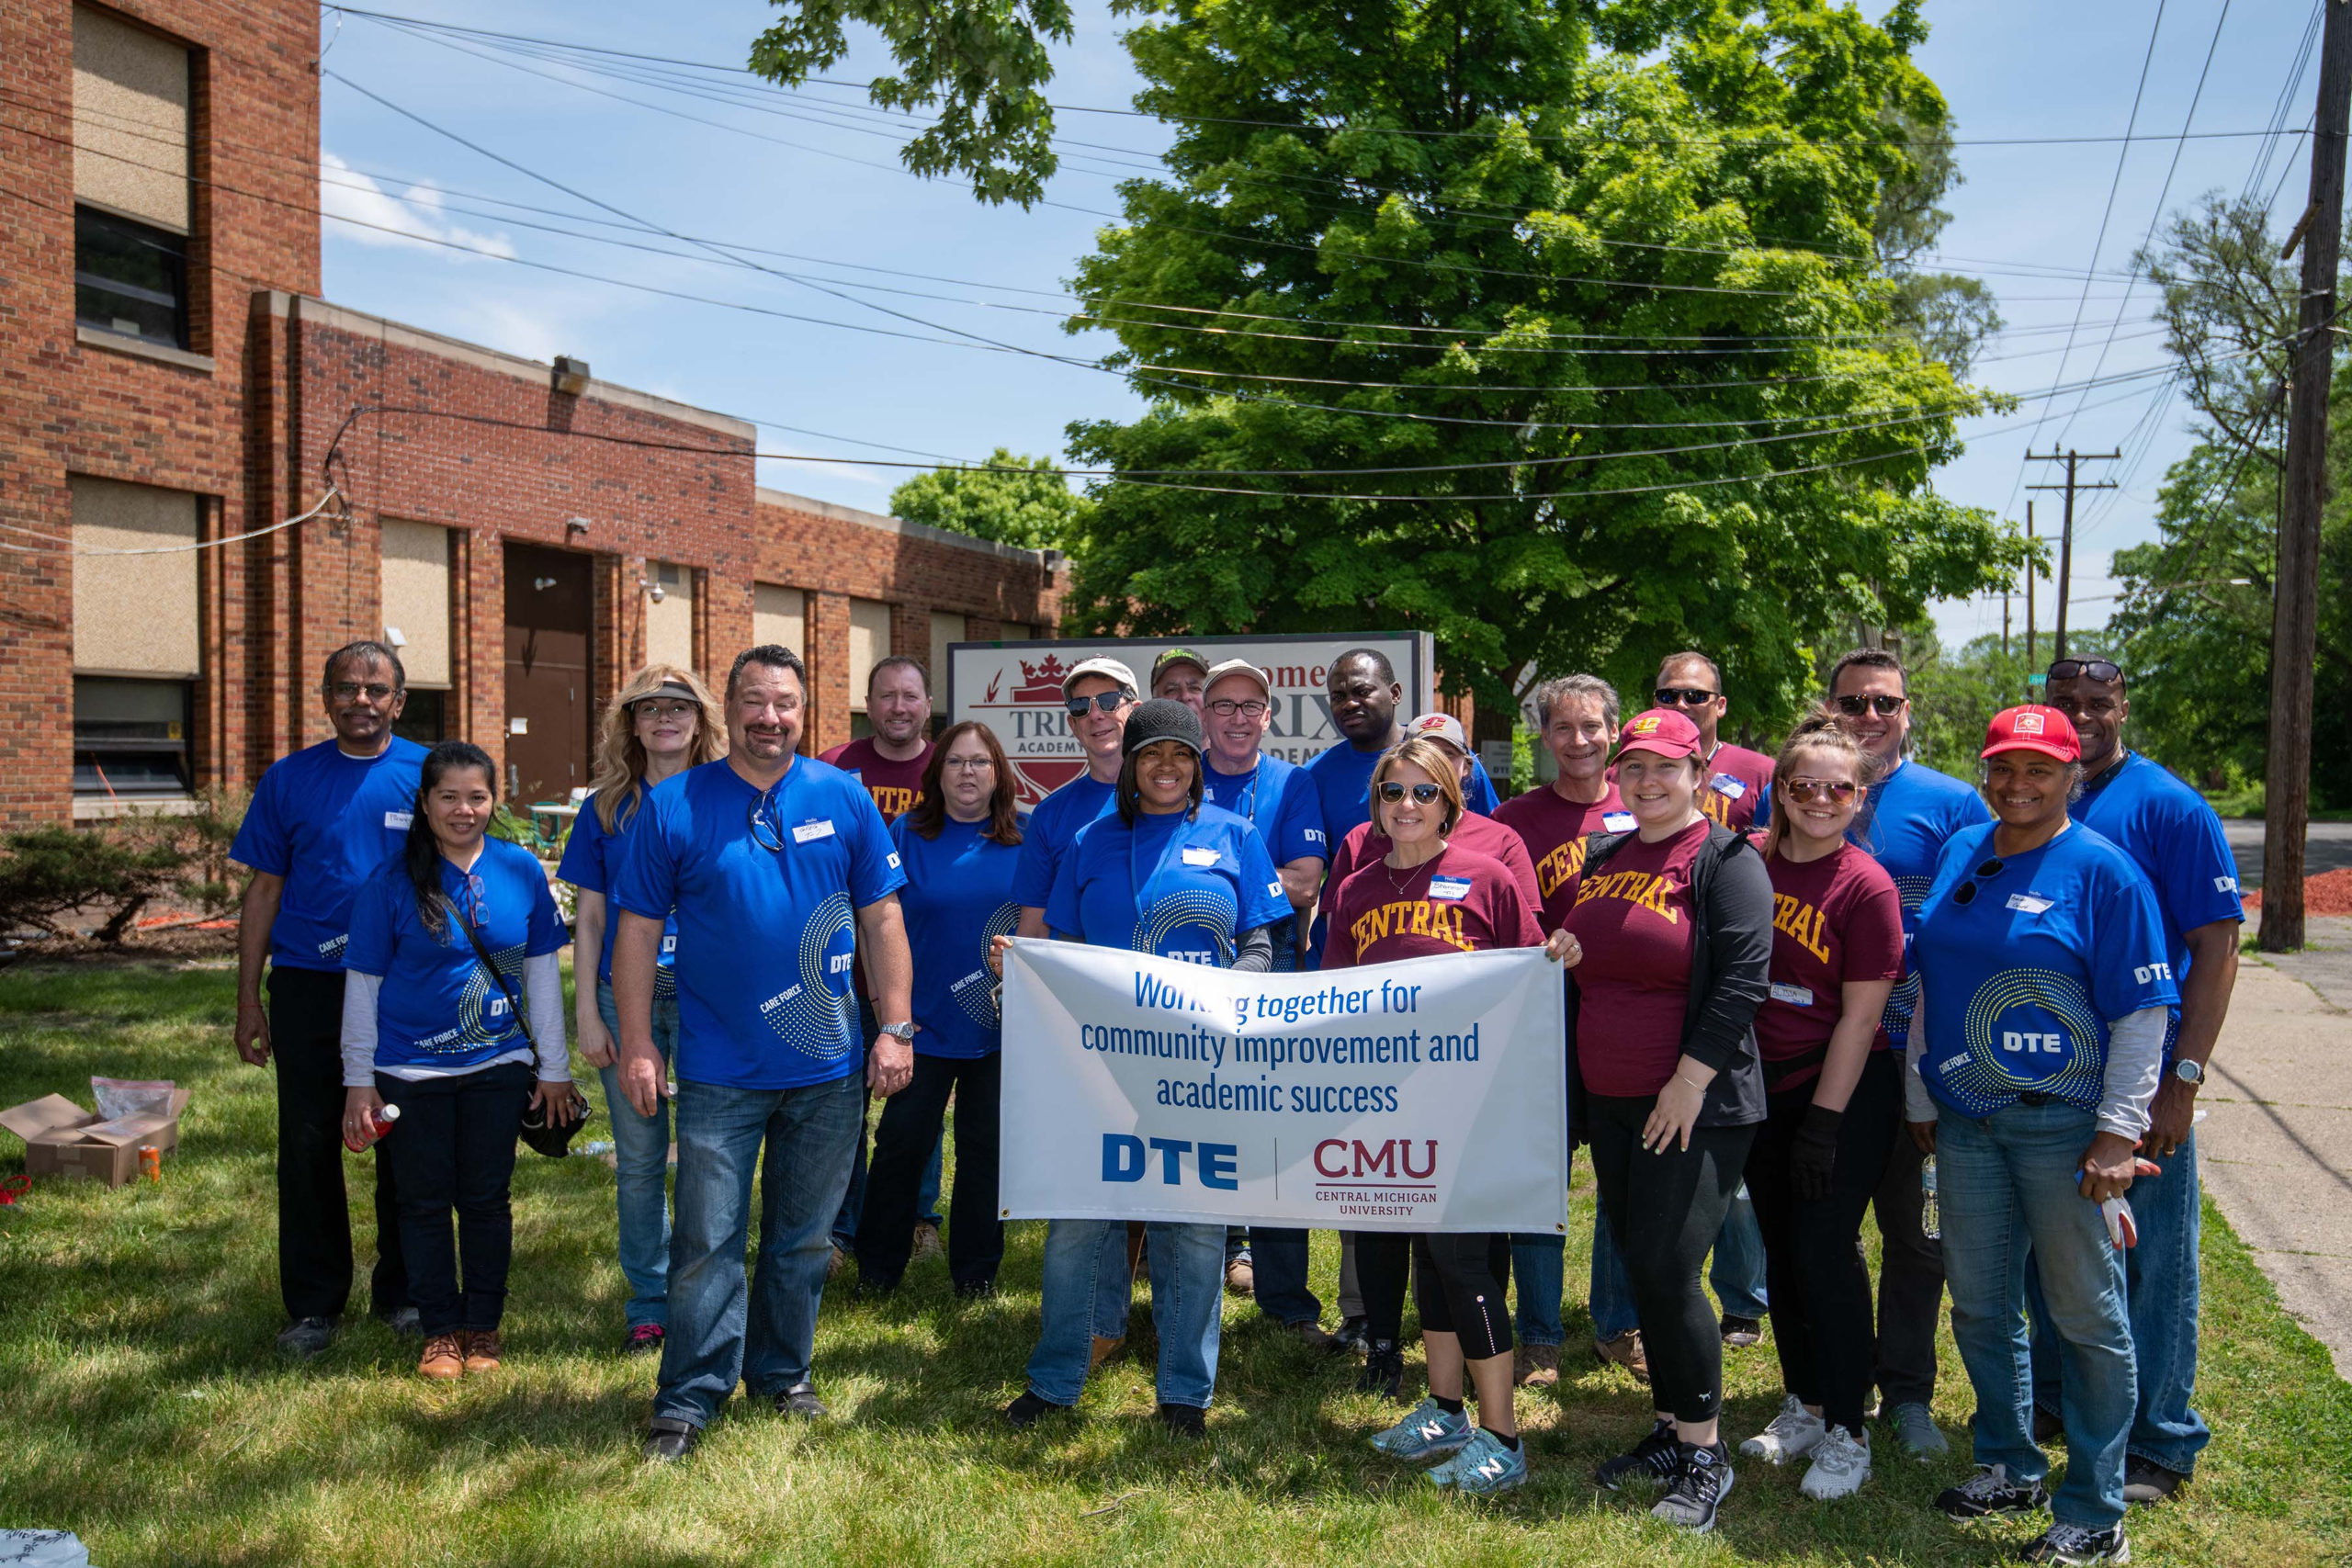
(1162, 719)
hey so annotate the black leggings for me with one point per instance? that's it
(1664, 1211)
(1384, 1270)
(1458, 1284)
(1813, 1272)
(911, 1122)
(453, 1149)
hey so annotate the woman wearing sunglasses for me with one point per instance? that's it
(2044, 996)
(1164, 874)
(450, 942)
(959, 845)
(1675, 919)
(1427, 897)
(1833, 1100)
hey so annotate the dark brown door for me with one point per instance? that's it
(550, 614)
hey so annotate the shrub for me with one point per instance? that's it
(120, 867)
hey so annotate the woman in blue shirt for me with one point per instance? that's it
(959, 846)
(663, 722)
(2044, 995)
(1171, 877)
(450, 940)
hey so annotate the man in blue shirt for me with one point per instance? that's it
(1911, 813)
(780, 872)
(320, 821)
(2176, 840)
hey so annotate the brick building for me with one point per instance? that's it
(169, 378)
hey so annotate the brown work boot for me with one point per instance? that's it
(444, 1357)
(1625, 1350)
(924, 1243)
(483, 1350)
(1314, 1336)
(1241, 1277)
(1536, 1366)
(1104, 1349)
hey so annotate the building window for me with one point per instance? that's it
(131, 738)
(129, 278)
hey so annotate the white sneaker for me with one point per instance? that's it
(1792, 1433)
(1840, 1464)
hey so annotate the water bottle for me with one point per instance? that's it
(379, 1123)
(1932, 1219)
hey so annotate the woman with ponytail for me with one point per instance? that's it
(451, 940)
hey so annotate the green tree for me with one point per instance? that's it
(1014, 500)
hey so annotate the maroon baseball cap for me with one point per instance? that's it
(1661, 730)
(2033, 728)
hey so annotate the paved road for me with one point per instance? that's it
(2326, 846)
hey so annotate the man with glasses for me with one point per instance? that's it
(780, 870)
(1911, 812)
(1739, 781)
(321, 820)
(2176, 838)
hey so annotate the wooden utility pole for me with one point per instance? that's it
(2074, 460)
(2294, 621)
(2031, 572)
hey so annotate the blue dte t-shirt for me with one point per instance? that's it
(2023, 980)
(1279, 800)
(2176, 840)
(1909, 818)
(438, 1008)
(322, 822)
(1342, 778)
(1479, 791)
(1049, 833)
(1177, 886)
(592, 862)
(765, 936)
(958, 895)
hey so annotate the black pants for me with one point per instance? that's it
(455, 1149)
(313, 1214)
(1458, 1284)
(1384, 1271)
(1815, 1275)
(1664, 1211)
(902, 1145)
(1910, 1280)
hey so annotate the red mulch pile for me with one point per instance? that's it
(2329, 892)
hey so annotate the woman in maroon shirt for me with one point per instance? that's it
(1676, 919)
(1427, 897)
(1833, 1098)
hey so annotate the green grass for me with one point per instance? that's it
(146, 1410)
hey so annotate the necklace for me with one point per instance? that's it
(1411, 871)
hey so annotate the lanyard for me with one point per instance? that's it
(1250, 802)
(1135, 883)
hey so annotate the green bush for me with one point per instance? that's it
(120, 867)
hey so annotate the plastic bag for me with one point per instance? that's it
(43, 1549)
(119, 1098)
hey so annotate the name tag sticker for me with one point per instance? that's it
(2030, 903)
(1199, 854)
(1795, 996)
(1727, 786)
(1449, 887)
(810, 830)
(1617, 821)
(398, 821)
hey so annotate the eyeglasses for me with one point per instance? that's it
(1805, 791)
(767, 823)
(344, 690)
(1101, 702)
(1878, 703)
(964, 765)
(646, 709)
(1423, 794)
(2100, 669)
(1690, 696)
(1247, 707)
(470, 896)
(1965, 893)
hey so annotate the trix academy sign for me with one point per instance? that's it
(1015, 688)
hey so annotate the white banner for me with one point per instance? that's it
(1423, 1095)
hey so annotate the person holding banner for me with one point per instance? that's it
(1099, 694)
(1833, 1097)
(1427, 895)
(1664, 1080)
(1168, 875)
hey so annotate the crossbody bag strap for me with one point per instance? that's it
(496, 978)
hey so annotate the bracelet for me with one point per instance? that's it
(1694, 1083)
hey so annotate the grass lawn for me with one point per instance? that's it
(149, 1412)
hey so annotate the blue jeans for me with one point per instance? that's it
(1539, 1271)
(1736, 1272)
(641, 1169)
(726, 1328)
(1086, 1297)
(1279, 1259)
(2006, 1189)
(2160, 1289)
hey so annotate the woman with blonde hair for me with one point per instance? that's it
(663, 721)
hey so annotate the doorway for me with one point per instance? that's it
(550, 706)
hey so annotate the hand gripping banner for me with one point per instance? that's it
(1423, 1095)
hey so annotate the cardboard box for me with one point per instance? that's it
(62, 1139)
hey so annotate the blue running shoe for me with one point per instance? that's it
(1428, 1431)
(1483, 1466)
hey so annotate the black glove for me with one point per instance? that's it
(1813, 1153)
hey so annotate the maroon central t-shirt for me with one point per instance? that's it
(1457, 901)
(1834, 920)
(1633, 920)
(1482, 835)
(1554, 830)
(895, 787)
(1738, 782)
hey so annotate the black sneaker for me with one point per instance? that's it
(1699, 1488)
(403, 1321)
(1990, 1491)
(1739, 1333)
(1028, 1410)
(305, 1337)
(1384, 1370)
(2076, 1546)
(1355, 1335)
(1653, 1461)
(801, 1400)
(1184, 1420)
(669, 1439)
(2145, 1481)
(973, 1289)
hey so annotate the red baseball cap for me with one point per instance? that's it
(2033, 728)
(1662, 730)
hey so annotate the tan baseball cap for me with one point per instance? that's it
(1440, 727)
(1239, 667)
(1100, 665)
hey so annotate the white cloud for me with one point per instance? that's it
(840, 472)
(414, 218)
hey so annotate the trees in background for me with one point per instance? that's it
(1015, 500)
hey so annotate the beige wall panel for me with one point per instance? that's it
(945, 628)
(780, 616)
(130, 100)
(869, 643)
(416, 598)
(135, 615)
(670, 625)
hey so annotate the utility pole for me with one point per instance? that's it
(2031, 572)
(2294, 624)
(2074, 460)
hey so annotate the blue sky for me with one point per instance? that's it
(812, 177)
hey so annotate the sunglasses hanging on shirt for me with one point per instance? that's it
(1965, 893)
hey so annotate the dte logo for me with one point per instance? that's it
(498, 1006)
(2147, 972)
(1338, 1158)
(2046, 1044)
(1123, 1160)
(839, 965)
(1193, 955)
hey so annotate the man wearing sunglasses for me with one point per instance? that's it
(1098, 694)
(1739, 781)
(1911, 813)
(2176, 838)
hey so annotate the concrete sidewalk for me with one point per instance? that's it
(2276, 1147)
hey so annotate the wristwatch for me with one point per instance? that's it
(902, 1030)
(2187, 1071)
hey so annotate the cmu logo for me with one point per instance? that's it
(1345, 1160)
(1645, 725)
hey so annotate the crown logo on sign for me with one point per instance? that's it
(2028, 723)
(1041, 681)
